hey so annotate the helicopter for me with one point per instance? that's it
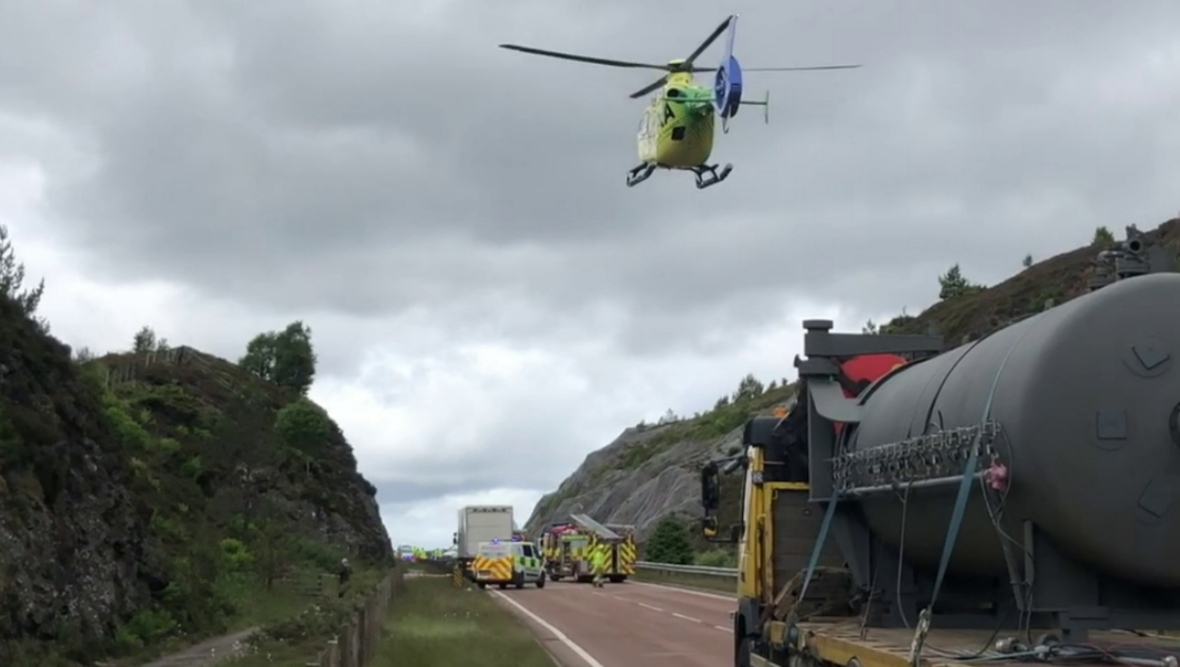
(678, 126)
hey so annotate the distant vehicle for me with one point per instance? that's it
(677, 128)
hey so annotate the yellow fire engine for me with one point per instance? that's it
(568, 549)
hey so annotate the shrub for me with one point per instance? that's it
(669, 543)
(302, 425)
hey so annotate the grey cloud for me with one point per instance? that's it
(366, 159)
(533, 451)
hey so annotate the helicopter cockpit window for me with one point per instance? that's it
(675, 92)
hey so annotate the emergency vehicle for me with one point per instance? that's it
(568, 548)
(512, 563)
(565, 550)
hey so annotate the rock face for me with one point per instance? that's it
(121, 481)
(70, 535)
(647, 474)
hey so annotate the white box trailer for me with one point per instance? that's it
(482, 523)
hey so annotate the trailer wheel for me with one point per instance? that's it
(742, 657)
(481, 585)
(503, 586)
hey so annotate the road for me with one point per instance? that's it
(627, 625)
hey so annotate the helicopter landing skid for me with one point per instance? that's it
(640, 174)
(707, 174)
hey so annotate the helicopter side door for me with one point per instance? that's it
(649, 132)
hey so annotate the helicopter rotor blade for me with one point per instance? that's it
(798, 69)
(708, 42)
(649, 88)
(585, 59)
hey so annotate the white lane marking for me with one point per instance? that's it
(727, 598)
(569, 643)
(723, 628)
(648, 606)
(687, 618)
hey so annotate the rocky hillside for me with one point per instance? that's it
(152, 496)
(651, 471)
(648, 473)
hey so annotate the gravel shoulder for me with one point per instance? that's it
(210, 652)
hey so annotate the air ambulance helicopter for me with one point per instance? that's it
(678, 125)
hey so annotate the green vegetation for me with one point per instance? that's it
(672, 542)
(296, 637)
(717, 557)
(953, 285)
(12, 283)
(145, 341)
(303, 425)
(669, 543)
(434, 624)
(730, 411)
(284, 357)
(967, 311)
(165, 492)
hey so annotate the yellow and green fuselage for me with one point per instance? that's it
(677, 128)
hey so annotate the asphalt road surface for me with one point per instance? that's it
(627, 625)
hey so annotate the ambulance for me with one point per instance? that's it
(507, 564)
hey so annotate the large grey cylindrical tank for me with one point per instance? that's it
(1086, 396)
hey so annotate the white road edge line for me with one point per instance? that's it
(727, 598)
(569, 643)
(687, 618)
(723, 628)
(648, 606)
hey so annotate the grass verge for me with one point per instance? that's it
(296, 637)
(434, 624)
(699, 581)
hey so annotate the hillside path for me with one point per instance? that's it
(210, 652)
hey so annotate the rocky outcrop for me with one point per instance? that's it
(127, 483)
(70, 535)
(648, 473)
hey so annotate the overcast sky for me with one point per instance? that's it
(489, 302)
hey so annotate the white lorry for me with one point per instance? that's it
(481, 523)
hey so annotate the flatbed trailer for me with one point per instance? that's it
(842, 642)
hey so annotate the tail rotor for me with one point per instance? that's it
(727, 87)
